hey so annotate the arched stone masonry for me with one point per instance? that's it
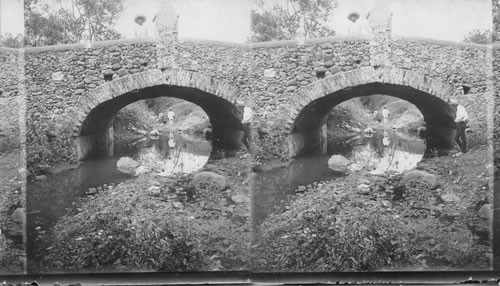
(92, 118)
(308, 110)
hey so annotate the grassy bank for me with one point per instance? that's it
(172, 226)
(334, 226)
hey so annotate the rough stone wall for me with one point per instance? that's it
(226, 62)
(58, 77)
(267, 74)
(280, 69)
(454, 63)
(496, 83)
(10, 101)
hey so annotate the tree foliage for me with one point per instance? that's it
(10, 41)
(496, 20)
(92, 20)
(479, 37)
(298, 18)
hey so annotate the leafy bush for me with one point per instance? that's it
(320, 238)
(136, 114)
(125, 231)
(107, 238)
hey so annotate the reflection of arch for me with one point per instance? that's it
(308, 110)
(95, 112)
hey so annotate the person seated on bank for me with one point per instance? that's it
(141, 31)
(461, 120)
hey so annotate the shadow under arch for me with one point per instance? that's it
(310, 108)
(93, 128)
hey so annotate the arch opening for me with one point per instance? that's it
(309, 131)
(96, 134)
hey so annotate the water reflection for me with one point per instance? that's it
(385, 151)
(174, 153)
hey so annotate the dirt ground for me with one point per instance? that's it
(11, 197)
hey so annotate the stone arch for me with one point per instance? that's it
(307, 111)
(92, 117)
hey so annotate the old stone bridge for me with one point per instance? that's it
(73, 92)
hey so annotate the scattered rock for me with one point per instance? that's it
(240, 199)
(450, 211)
(300, 189)
(178, 205)
(141, 170)
(486, 212)
(364, 188)
(92, 191)
(155, 191)
(420, 176)
(57, 76)
(269, 73)
(449, 198)
(379, 173)
(19, 215)
(127, 165)
(338, 163)
(385, 203)
(41, 178)
(210, 179)
(364, 181)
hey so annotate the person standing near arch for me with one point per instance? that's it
(461, 119)
(385, 114)
(247, 125)
(170, 116)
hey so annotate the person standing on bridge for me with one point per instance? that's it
(141, 31)
(461, 119)
(354, 26)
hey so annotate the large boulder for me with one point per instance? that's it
(127, 165)
(420, 176)
(209, 179)
(486, 212)
(19, 216)
(338, 163)
(450, 198)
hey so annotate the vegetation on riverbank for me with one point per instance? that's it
(155, 223)
(336, 226)
(12, 254)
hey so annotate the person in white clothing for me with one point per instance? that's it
(385, 113)
(461, 119)
(170, 116)
(141, 31)
(354, 26)
(247, 125)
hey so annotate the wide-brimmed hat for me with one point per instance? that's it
(353, 15)
(453, 101)
(136, 19)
